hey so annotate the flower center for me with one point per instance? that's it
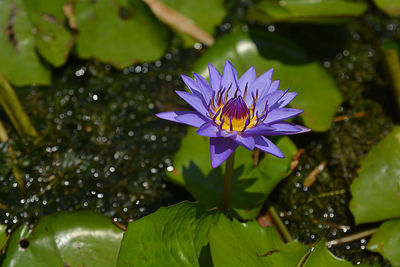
(233, 114)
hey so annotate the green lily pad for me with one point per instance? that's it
(20, 63)
(323, 11)
(172, 236)
(207, 14)
(251, 187)
(321, 256)
(66, 239)
(319, 95)
(376, 191)
(53, 40)
(247, 244)
(390, 7)
(386, 241)
(120, 32)
(3, 237)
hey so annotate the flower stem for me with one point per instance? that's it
(227, 189)
(279, 224)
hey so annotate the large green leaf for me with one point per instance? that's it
(66, 239)
(322, 11)
(321, 256)
(207, 14)
(120, 32)
(318, 96)
(376, 192)
(390, 7)
(19, 62)
(172, 236)
(386, 241)
(247, 244)
(251, 186)
(53, 40)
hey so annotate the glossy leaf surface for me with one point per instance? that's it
(119, 32)
(19, 61)
(66, 239)
(386, 241)
(376, 192)
(323, 11)
(172, 236)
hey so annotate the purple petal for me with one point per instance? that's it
(190, 83)
(245, 140)
(247, 79)
(262, 83)
(269, 100)
(220, 149)
(274, 86)
(286, 99)
(277, 128)
(286, 128)
(191, 118)
(215, 77)
(281, 114)
(204, 87)
(210, 129)
(266, 145)
(260, 129)
(195, 101)
(229, 79)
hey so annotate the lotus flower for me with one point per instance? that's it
(233, 111)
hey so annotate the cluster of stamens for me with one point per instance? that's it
(233, 114)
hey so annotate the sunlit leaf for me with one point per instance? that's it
(390, 7)
(207, 14)
(119, 32)
(376, 192)
(52, 38)
(247, 244)
(172, 236)
(19, 62)
(386, 241)
(65, 239)
(323, 11)
(318, 96)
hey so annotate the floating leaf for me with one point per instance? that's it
(321, 256)
(323, 11)
(66, 239)
(53, 40)
(172, 236)
(390, 7)
(376, 192)
(250, 186)
(119, 32)
(206, 14)
(247, 244)
(318, 96)
(19, 62)
(386, 241)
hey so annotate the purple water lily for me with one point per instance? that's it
(233, 111)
